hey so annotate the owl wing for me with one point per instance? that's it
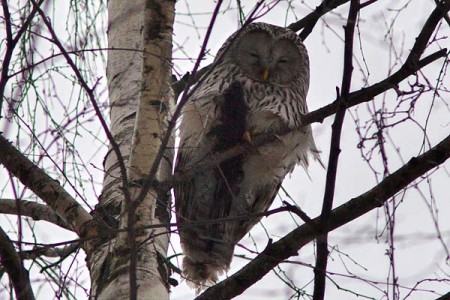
(263, 199)
(193, 197)
(194, 147)
(210, 124)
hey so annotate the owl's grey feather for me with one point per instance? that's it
(271, 66)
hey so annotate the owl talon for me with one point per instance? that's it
(247, 137)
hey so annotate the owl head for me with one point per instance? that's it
(267, 53)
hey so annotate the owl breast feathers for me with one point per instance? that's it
(258, 85)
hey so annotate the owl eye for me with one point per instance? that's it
(282, 60)
(254, 54)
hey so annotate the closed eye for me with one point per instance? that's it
(283, 60)
(254, 54)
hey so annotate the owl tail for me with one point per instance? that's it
(200, 275)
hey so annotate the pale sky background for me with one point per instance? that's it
(360, 247)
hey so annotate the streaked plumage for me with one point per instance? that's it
(268, 67)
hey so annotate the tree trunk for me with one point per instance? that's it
(139, 68)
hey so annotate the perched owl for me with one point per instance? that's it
(258, 85)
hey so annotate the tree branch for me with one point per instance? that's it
(19, 276)
(49, 190)
(353, 209)
(180, 85)
(446, 17)
(309, 21)
(322, 241)
(36, 211)
(50, 251)
(444, 297)
(428, 28)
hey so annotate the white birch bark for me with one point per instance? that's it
(140, 100)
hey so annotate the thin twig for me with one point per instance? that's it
(11, 43)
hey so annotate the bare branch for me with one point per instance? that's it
(428, 28)
(411, 65)
(50, 251)
(322, 241)
(36, 211)
(49, 190)
(310, 20)
(446, 17)
(444, 297)
(19, 276)
(290, 244)
(180, 85)
(367, 94)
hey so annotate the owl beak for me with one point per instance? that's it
(265, 74)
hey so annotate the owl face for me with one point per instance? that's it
(267, 59)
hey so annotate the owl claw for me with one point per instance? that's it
(247, 137)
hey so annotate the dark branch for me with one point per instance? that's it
(10, 260)
(428, 28)
(290, 244)
(367, 94)
(446, 17)
(180, 85)
(322, 241)
(444, 297)
(308, 22)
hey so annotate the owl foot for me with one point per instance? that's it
(247, 137)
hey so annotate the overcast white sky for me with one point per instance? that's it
(360, 247)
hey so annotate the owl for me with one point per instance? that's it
(258, 85)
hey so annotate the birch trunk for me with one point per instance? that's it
(139, 68)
